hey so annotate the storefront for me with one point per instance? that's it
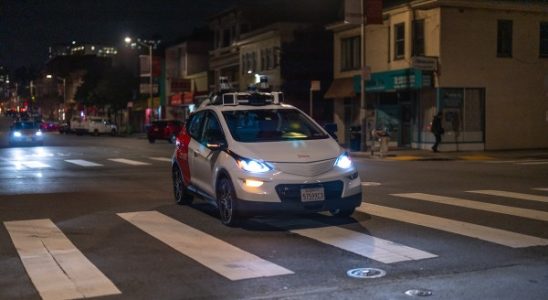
(403, 102)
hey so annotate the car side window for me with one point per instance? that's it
(195, 125)
(213, 132)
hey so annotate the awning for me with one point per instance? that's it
(341, 88)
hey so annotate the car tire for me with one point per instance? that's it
(227, 202)
(96, 132)
(342, 213)
(113, 132)
(151, 140)
(180, 191)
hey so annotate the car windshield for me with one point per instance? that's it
(265, 125)
(25, 125)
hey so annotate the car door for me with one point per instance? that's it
(195, 130)
(203, 158)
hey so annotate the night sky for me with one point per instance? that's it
(29, 27)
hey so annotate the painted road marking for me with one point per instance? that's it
(508, 210)
(498, 236)
(541, 189)
(215, 254)
(56, 267)
(129, 161)
(33, 164)
(363, 244)
(369, 183)
(83, 163)
(531, 163)
(512, 195)
(161, 158)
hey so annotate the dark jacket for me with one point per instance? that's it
(436, 125)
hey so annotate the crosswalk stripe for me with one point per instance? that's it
(161, 159)
(215, 254)
(33, 164)
(363, 244)
(534, 163)
(512, 195)
(541, 189)
(129, 161)
(83, 163)
(508, 210)
(56, 267)
(498, 236)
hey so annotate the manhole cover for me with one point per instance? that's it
(419, 293)
(366, 273)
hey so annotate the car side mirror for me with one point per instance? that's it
(216, 145)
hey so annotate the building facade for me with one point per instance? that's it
(186, 67)
(483, 64)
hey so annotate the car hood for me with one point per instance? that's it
(290, 151)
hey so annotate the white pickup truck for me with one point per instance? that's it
(92, 125)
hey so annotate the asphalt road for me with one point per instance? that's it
(102, 211)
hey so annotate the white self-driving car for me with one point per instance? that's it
(249, 154)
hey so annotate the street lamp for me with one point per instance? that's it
(49, 76)
(64, 80)
(128, 41)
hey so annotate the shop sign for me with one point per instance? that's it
(395, 80)
(424, 63)
(180, 85)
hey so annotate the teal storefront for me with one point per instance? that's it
(404, 101)
(392, 101)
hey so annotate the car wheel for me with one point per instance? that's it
(226, 202)
(113, 132)
(95, 132)
(342, 213)
(151, 140)
(182, 196)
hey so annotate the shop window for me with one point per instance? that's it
(504, 38)
(418, 38)
(463, 113)
(350, 53)
(399, 41)
(543, 39)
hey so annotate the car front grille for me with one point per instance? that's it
(309, 169)
(292, 192)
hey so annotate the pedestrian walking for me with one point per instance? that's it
(437, 130)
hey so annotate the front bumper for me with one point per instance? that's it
(246, 207)
(282, 193)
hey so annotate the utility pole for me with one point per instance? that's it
(363, 99)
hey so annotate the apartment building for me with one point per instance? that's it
(482, 63)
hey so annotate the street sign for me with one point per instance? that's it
(424, 63)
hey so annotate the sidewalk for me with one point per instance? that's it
(425, 155)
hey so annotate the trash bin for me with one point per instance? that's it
(355, 137)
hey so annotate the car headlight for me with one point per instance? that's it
(17, 134)
(252, 165)
(38, 133)
(343, 161)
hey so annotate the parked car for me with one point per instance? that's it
(164, 130)
(64, 127)
(92, 125)
(249, 154)
(49, 126)
(26, 132)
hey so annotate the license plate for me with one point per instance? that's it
(312, 194)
